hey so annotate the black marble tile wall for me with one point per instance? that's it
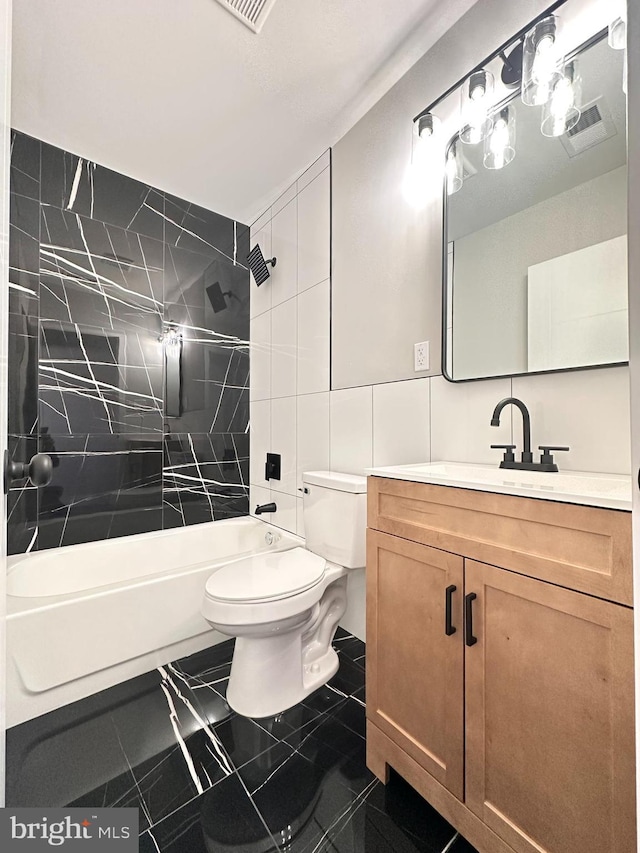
(100, 266)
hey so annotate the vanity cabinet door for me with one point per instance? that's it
(415, 691)
(549, 715)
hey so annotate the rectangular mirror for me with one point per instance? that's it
(535, 253)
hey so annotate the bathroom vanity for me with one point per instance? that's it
(500, 653)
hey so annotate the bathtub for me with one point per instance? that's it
(85, 617)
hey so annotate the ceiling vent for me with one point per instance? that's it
(252, 13)
(594, 126)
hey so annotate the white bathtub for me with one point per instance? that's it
(85, 617)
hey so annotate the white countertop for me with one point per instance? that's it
(612, 491)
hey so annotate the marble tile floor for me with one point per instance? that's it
(206, 780)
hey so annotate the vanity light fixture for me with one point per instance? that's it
(561, 112)
(511, 75)
(425, 129)
(542, 61)
(427, 125)
(454, 169)
(171, 338)
(617, 35)
(475, 105)
(500, 145)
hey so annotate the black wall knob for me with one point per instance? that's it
(39, 470)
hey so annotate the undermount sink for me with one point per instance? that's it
(605, 490)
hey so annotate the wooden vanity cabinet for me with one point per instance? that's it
(415, 685)
(517, 725)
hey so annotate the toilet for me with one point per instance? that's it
(284, 607)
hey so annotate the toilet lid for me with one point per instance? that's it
(266, 577)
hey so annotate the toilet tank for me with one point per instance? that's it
(335, 517)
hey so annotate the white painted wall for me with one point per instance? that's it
(5, 100)
(633, 138)
(386, 253)
(491, 265)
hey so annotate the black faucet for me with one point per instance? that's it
(526, 463)
(265, 508)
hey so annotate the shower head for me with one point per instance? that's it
(217, 297)
(258, 264)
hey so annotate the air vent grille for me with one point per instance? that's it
(589, 117)
(594, 126)
(252, 13)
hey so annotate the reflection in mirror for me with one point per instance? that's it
(535, 259)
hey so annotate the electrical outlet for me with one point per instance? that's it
(421, 356)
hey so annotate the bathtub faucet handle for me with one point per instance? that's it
(39, 470)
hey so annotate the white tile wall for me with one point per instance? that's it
(322, 163)
(294, 413)
(351, 432)
(283, 282)
(290, 344)
(401, 428)
(288, 195)
(313, 339)
(461, 428)
(259, 438)
(283, 349)
(587, 410)
(314, 232)
(287, 513)
(260, 358)
(283, 441)
(313, 434)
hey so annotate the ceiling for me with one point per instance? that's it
(183, 96)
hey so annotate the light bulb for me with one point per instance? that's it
(478, 91)
(542, 61)
(545, 66)
(171, 339)
(427, 125)
(561, 113)
(545, 62)
(475, 105)
(561, 102)
(617, 36)
(499, 147)
(499, 141)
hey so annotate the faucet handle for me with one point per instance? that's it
(508, 451)
(546, 457)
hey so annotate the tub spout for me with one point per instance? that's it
(265, 508)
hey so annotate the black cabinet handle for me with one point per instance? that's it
(469, 639)
(449, 629)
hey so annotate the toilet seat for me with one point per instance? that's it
(266, 577)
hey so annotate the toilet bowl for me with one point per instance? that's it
(283, 608)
